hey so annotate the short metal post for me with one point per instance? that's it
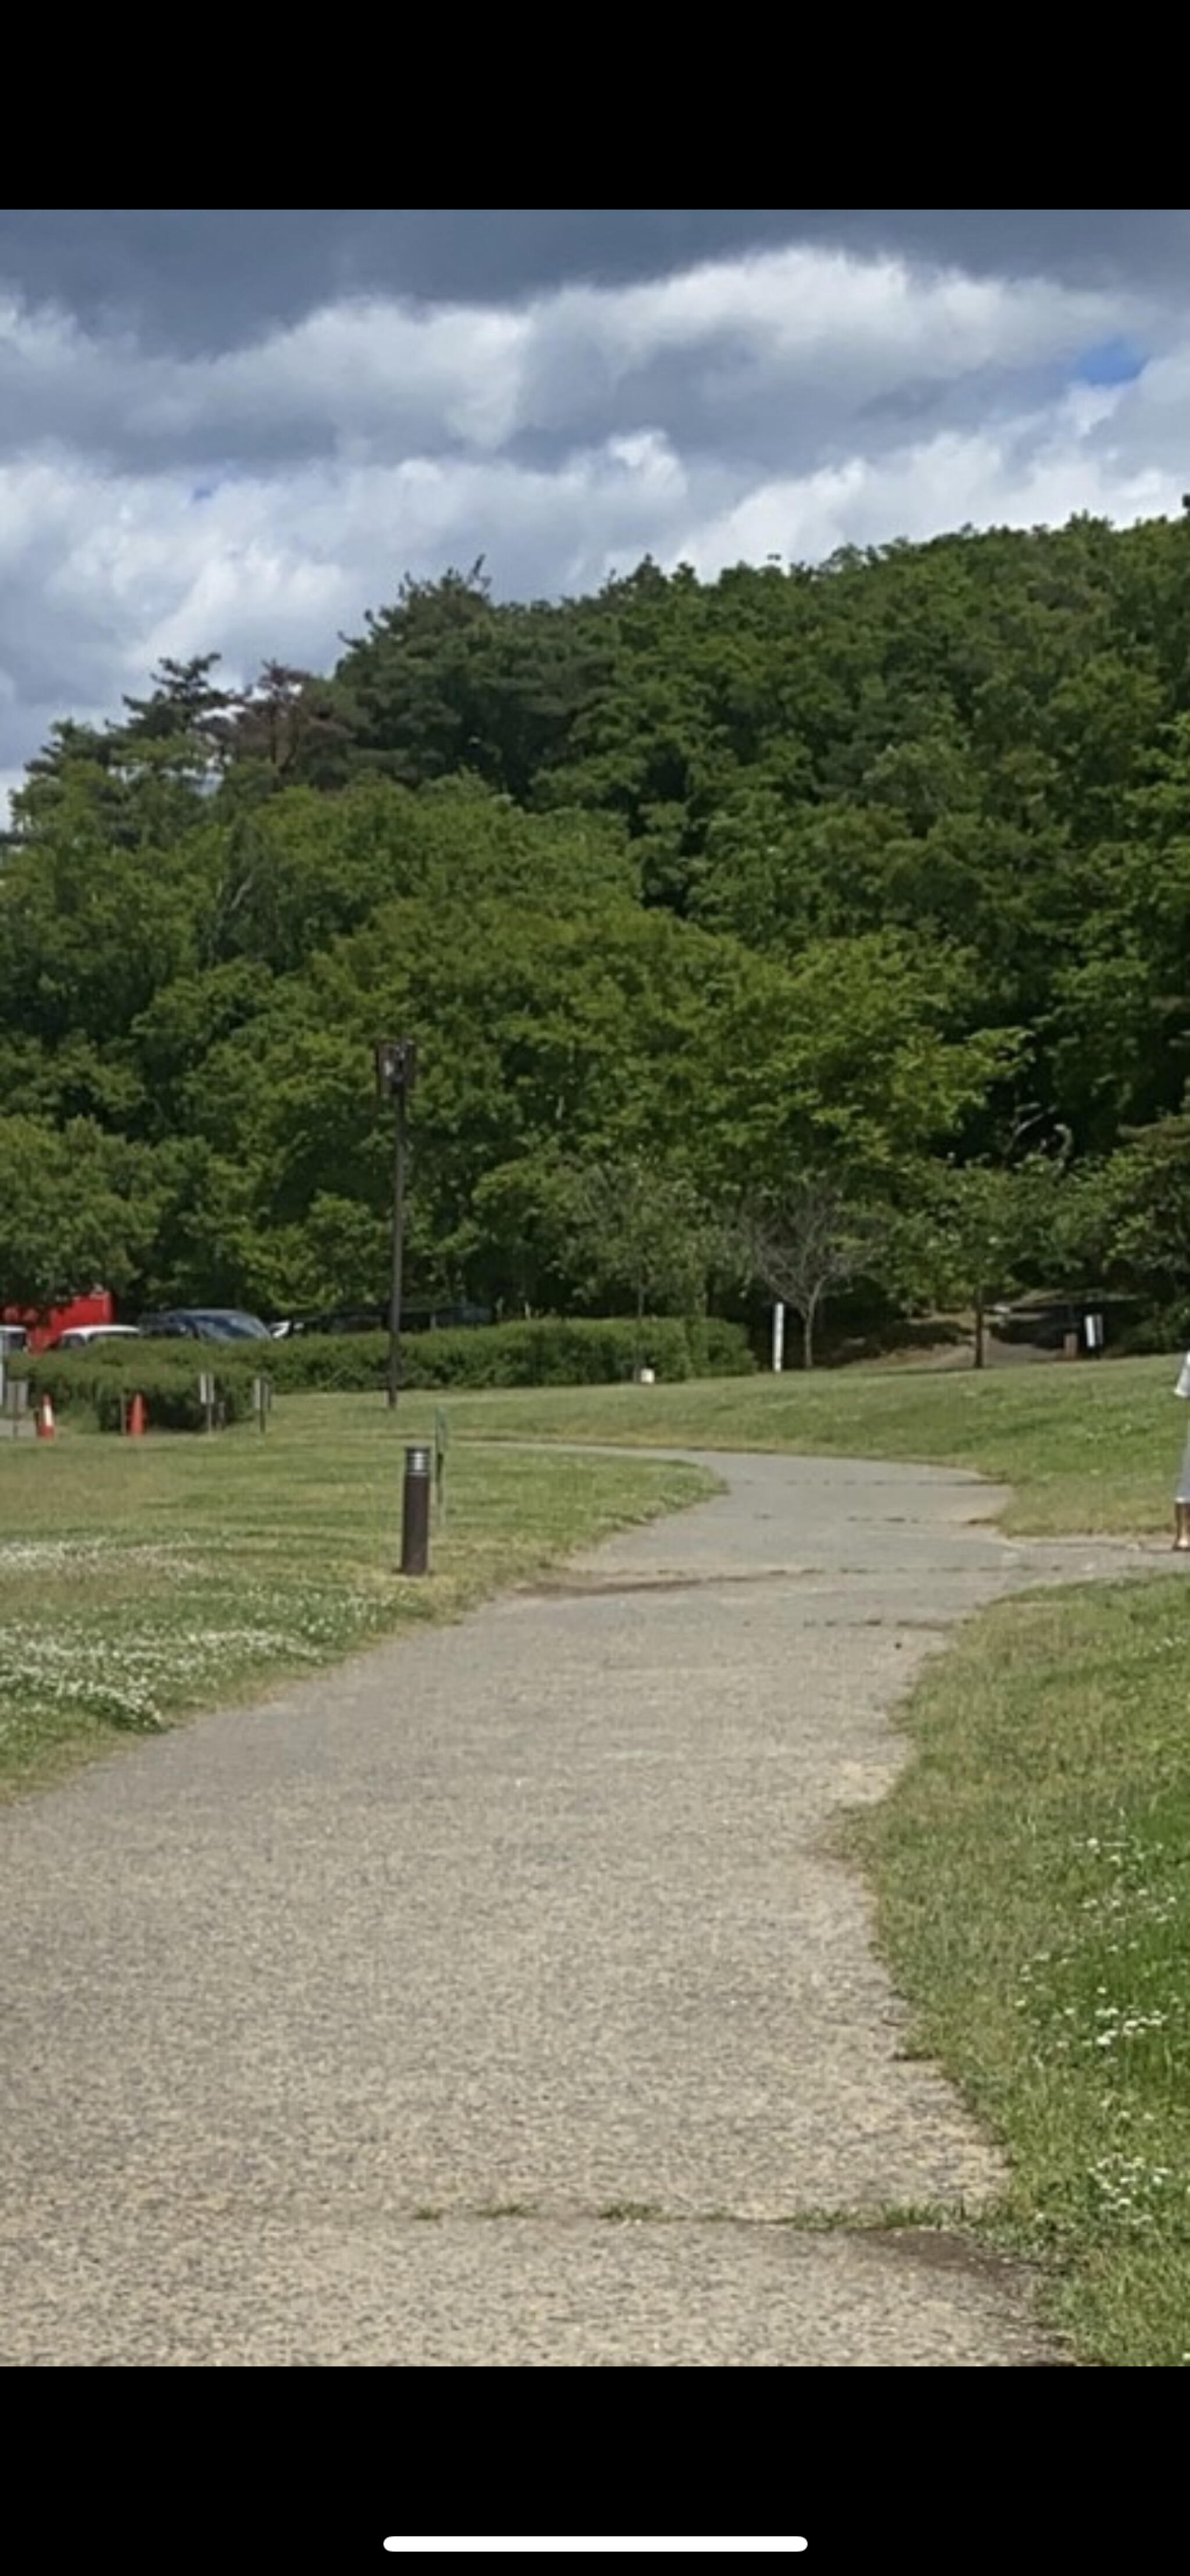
(1182, 1507)
(415, 1512)
(396, 1073)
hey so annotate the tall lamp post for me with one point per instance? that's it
(396, 1073)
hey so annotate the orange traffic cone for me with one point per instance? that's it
(46, 1425)
(136, 1418)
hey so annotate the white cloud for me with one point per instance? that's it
(1036, 471)
(778, 404)
(795, 309)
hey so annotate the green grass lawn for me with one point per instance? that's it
(144, 1580)
(1092, 1446)
(1032, 1870)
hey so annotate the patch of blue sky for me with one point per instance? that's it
(1111, 362)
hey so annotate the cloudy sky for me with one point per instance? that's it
(226, 430)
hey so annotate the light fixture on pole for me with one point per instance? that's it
(396, 1073)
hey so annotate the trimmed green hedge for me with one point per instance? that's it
(100, 1383)
(548, 1351)
(329, 1363)
(720, 1349)
(551, 1351)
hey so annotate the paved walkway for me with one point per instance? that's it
(492, 2000)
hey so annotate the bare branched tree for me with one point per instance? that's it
(805, 1244)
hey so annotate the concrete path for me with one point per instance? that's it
(492, 2000)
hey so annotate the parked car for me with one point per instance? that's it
(342, 1319)
(441, 1319)
(1049, 1322)
(82, 1337)
(203, 1324)
(374, 1319)
(13, 1337)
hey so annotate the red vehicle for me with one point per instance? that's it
(43, 1325)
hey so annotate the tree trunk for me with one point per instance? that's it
(808, 1335)
(978, 1358)
(638, 1360)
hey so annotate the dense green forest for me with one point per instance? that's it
(804, 928)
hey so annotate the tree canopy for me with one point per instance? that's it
(802, 880)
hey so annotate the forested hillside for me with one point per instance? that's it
(846, 906)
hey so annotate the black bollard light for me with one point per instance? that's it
(415, 1512)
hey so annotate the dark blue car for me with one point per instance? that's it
(204, 1324)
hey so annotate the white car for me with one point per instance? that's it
(81, 1336)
